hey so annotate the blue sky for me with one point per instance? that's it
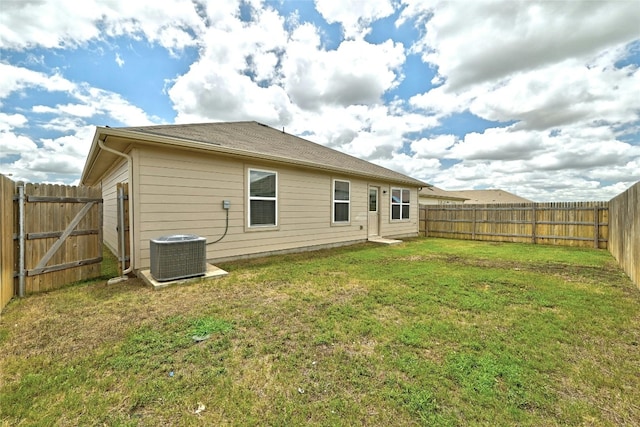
(538, 98)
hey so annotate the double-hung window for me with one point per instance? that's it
(341, 201)
(400, 203)
(263, 198)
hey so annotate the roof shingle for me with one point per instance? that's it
(254, 137)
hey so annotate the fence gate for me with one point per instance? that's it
(59, 235)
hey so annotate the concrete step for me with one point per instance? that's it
(384, 241)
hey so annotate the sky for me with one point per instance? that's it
(539, 98)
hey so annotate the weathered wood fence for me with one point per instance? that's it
(566, 223)
(7, 248)
(51, 236)
(624, 231)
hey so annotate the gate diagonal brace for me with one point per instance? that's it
(73, 224)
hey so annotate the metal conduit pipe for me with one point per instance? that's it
(21, 237)
(122, 245)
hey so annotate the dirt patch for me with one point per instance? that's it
(609, 275)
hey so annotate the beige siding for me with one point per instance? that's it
(180, 192)
(117, 174)
(404, 228)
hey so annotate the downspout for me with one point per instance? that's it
(131, 240)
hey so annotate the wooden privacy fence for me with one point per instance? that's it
(624, 231)
(7, 248)
(54, 236)
(566, 223)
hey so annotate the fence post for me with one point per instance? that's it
(426, 221)
(21, 240)
(596, 226)
(533, 223)
(473, 224)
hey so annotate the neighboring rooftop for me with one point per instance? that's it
(440, 194)
(490, 196)
(473, 196)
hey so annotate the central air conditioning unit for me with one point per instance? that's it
(178, 256)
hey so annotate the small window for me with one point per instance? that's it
(373, 200)
(400, 203)
(263, 200)
(341, 200)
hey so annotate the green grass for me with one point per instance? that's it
(429, 332)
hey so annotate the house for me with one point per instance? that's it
(490, 196)
(437, 196)
(252, 189)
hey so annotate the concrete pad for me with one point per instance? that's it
(384, 241)
(211, 273)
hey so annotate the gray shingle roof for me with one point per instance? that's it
(494, 195)
(256, 138)
(438, 193)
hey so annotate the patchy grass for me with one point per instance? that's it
(429, 332)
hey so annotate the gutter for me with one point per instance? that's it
(131, 240)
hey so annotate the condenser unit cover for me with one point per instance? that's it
(178, 256)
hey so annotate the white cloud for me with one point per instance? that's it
(433, 148)
(371, 132)
(544, 65)
(499, 144)
(68, 23)
(113, 105)
(551, 72)
(119, 60)
(26, 24)
(423, 169)
(260, 70)
(580, 149)
(58, 158)
(235, 77)
(53, 160)
(563, 94)
(579, 155)
(77, 110)
(208, 92)
(355, 16)
(11, 121)
(474, 42)
(534, 185)
(357, 72)
(15, 79)
(12, 143)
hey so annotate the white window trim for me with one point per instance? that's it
(250, 198)
(334, 201)
(401, 204)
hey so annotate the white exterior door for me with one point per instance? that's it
(374, 212)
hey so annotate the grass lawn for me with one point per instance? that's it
(429, 332)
